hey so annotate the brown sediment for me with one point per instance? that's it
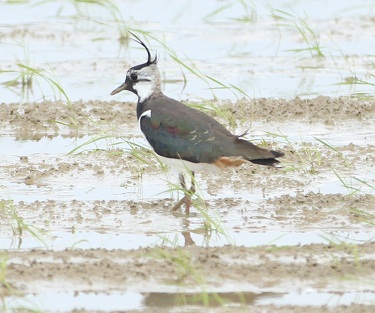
(293, 199)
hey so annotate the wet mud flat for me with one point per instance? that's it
(299, 238)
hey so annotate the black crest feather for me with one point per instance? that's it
(149, 60)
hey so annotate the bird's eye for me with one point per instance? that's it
(133, 76)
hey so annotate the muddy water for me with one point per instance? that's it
(295, 239)
(110, 242)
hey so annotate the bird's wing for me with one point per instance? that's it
(180, 132)
(185, 135)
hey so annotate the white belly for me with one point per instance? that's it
(182, 165)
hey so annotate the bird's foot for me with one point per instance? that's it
(185, 200)
(187, 238)
(187, 196)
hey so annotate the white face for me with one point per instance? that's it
(144, 81)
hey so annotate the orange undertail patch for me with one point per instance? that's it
(225, 162)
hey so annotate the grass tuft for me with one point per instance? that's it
(6, 288)
(303, 27)
(28, 76)
(19, 226)
(185, 271)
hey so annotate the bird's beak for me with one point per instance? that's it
(122, 87)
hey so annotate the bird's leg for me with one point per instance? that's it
(192, 187)
(182, 180)
(187, 238)
(188, 193)
(183, 185)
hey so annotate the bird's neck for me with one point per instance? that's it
(143, 106)
(146, 88)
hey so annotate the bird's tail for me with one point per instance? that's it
(258, 155)
(269, 161)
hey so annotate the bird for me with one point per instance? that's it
(185, 137)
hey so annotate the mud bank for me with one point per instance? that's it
(299, 238)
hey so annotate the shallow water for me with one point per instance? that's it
(100, 239)
(92, 202)
(64, 302)
(82, 210)
(259, 55)
(85, 186)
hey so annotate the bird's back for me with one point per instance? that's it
(175, 130)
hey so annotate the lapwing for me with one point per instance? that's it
(183, 136)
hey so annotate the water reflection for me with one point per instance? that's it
(60, 240)
(68, 301)
(210, 299)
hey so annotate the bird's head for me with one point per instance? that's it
(142, 79)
